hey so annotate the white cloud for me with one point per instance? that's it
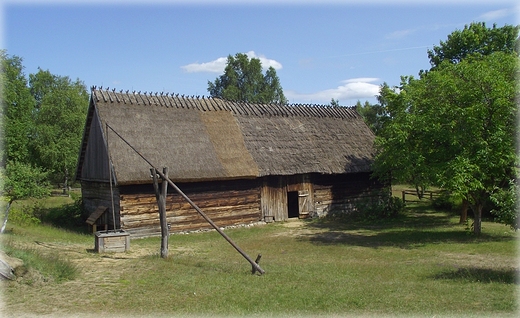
(400, 34)
(218, 65)
(496, 14)
(215, 66)
(351, 90)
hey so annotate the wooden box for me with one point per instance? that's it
(110, 241)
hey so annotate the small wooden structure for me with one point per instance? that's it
(112, 241)
(239, 162)
(98, 218)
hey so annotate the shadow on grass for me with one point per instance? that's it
(480, 275)
(418, 215)
(418, 226)
(405, 238)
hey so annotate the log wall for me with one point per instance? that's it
(225, 202)
(339, 193)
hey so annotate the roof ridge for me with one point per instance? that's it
(208, 103)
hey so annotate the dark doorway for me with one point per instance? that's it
(292, 204)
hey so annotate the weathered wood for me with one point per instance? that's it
(257, 260)
(160, 195)
(227, 203)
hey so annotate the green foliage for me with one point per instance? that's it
(384, 206)
(373, 115)
(25, 215)
(22, 180)
(474, 39)
(374, 206)
(506, 202)
(61, 111)
(400, 152)
(243, 81)
(453, 127)
(69, 216)
(16, 110)
(445, 202)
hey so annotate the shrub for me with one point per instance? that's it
(25, 215)
(382, 205)
(68, 216)
(443, 202)
(505, 201)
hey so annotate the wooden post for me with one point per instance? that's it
(160, 195)
(404, 196)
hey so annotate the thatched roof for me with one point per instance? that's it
(213, 139)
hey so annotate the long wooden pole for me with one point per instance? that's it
(160, 195)
(162, 175)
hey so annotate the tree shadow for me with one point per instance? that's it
(480, 275)
(420, 215)
(404, 238)
(415, 228)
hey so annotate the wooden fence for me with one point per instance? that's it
(427, 195)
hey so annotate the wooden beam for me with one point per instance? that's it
(160, 194)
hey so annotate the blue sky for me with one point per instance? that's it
(333, 49)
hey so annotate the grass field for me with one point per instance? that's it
(422, 263)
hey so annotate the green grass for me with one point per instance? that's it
(421, 263)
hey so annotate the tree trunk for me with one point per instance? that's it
(464, 212)
(477, 224)
(66, 182)
(8, 208)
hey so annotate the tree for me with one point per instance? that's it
(461, 118)
(243, 81)
(19, 181)
(400, 155)
(373, 115)
(17, 110)
(474, 39)
(61, 107)
(19, 178)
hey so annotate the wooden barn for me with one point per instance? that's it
(239, 162)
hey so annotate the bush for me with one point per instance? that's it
(68, 216)
(379, 206)
(505, 201)
(443, 202)
(25, 215)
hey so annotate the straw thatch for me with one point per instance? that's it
(212, 139)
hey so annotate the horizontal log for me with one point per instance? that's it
(189, 216)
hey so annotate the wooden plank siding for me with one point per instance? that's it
(339, 193)
(225, 202)
(275, 196)
(96, 194)
(274, 199)
(231, 202)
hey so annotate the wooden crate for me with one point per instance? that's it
(110, 241)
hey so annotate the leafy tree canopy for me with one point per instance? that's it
(373, 115)
(475, 38)
(61, 107)
(243, 81)
(17, 110)
(454, 127)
